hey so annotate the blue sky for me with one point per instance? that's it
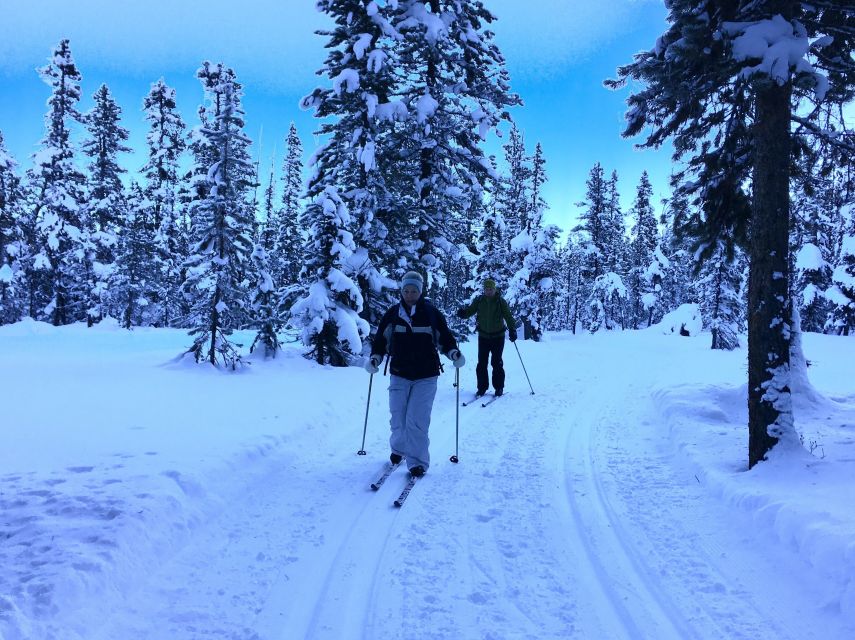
(558, 53)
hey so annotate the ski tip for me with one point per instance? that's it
(375, 487)
(397, 504)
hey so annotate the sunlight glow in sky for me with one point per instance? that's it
(558, 53)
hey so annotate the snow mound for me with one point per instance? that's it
(684, 320)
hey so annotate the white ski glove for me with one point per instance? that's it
(457, 358)
(372, 365)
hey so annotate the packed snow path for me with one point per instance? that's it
(567, 517)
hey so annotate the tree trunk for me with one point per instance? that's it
(769, 402)
(215, 327)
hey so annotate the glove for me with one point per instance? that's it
(461, 312)
(512, 334)
(372, 365)
(457, 358)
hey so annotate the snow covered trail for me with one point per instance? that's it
(568, 516)
(666, 555)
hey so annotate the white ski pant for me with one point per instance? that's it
(410, 403)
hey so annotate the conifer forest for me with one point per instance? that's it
(758, 232)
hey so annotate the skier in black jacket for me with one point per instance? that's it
(410, 332)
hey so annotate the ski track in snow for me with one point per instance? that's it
(613, 544)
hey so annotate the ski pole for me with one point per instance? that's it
(454, 458)
(523, 366)
(361, 451)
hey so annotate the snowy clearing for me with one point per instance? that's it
(147, 499)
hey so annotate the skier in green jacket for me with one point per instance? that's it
(492, 314)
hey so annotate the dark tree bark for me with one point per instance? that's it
(769, 403)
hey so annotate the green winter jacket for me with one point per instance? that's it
(493, 313)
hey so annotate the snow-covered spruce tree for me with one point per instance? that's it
(265, 306)
(165, 143)
(269, 217)
(605, 296)
(842, 291)
(617, 249)
(56, 193)
(817, 232)
(222, 223)
(106, 205)
(514, 198)
(500, 219)
(285, 264)
(592, 226)
(134, 266)
(11, 241)
(488, 257)
(538, 178)
(532, 287)
(357, 158)
(811, 279)
(453, 78)
(514, 204)
(328, 313)
(644, 241)
(726, 81)
(572, 266)
(493, 247)
(462, 279)
(719, 285)
(652, 281)
(676, 289)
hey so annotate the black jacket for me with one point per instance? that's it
(412, 340)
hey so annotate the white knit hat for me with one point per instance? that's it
(413, 278)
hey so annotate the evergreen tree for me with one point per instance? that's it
(537, 203)
(222, 221)
(270, 217)
(573, 266)
(677, 287)
(641, 249)
(841, 294)
(615, 249)
(727, 81)
(106, 205)
(607, 294)
(357, 157)
(266, 307)
(812, 278)
(11, 243)
(457, 90)
(492, 246)
(719, 287)
(532, 288)
(56, 188)
(165, 141)
(289, 240)
(327, 314)
(134, 268)
(652, 280)
(593, 222)
(515, 198)
(604, 289)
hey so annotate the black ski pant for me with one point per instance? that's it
(490, 348)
